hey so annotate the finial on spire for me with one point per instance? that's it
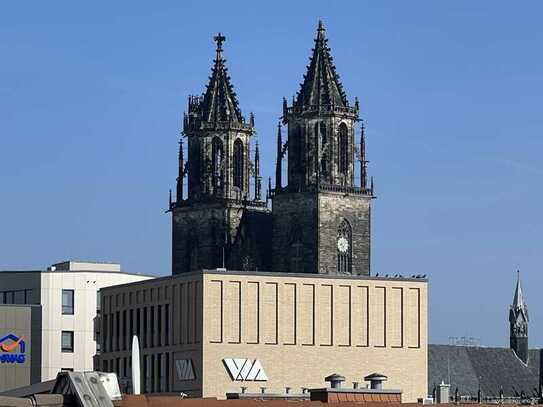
(219, 39)
(321, 26)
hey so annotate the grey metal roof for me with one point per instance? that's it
(470, 367)
(25, 391)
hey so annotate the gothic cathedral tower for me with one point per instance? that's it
(207, 223)
(518, 324)
(321, 219)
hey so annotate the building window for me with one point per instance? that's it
(344, 248)
(125, 333)
(167, 324)
(19, 297)
(67, 341)
(217, 153)
(297, 151)
(152, 328)
(238, 164)
(159, 323)
(117, 330)
(343, 149)
(67, 302)
(104, 333)
(138, 323)
(144, 332)
(131, 328)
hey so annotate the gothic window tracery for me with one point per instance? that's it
(217, 154)
(344, 248)
(238, 163)
(295, 148)
(343, 141)
(321, 141)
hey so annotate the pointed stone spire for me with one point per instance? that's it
(518, 299)
(363, 162)
(181, 174)
(278, 164)
(518, 324)
(269, 192)
(321, 85)
(219, 100)
(257, 174)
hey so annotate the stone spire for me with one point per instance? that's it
(278, 164)
(258, 180)
(518, 299)
(363, 161)
(181, 173)
(219, 100)
(518, 324)
(321, 85)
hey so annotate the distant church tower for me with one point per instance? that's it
(321, 219)
(518, 323)
(206, 223)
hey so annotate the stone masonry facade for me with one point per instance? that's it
(319, 221)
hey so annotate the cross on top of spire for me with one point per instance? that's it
(219, 39)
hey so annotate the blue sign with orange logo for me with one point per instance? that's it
(12, 349)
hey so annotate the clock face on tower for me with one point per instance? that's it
(342, 245)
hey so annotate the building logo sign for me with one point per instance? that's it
(12, 349)
(185, 370)
(245, 369)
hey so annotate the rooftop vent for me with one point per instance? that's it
(376, 380)
(335, 380)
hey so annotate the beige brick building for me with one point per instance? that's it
(281, 329)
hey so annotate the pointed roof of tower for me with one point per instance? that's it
(321, 84)
(219, 100)
(518, 299)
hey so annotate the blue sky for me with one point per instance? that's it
(92, 94)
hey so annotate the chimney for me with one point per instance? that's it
(443, 393)
(376, 380)
(335, 380)
(337, 394)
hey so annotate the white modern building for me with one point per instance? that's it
(68, 293)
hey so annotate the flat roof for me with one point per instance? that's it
(272, 274)
(77, 271)
(20, 305)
